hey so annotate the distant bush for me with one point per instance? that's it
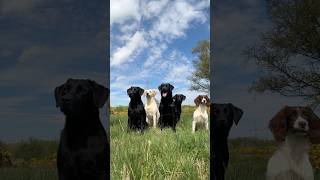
(5, 158)
(34, 148)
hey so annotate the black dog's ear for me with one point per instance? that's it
(141, 91)
(171, 87)
(183, 97)
(160, 87)
(237, 113)
(100, 94)
(129, 91)
(57, 95)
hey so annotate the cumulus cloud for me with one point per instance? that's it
(132, 47)
(142, 51)
(123, 10)
(176, 19)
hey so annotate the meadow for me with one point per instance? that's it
(157, 154)
(152, 155)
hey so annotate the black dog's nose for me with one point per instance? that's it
(302, 124)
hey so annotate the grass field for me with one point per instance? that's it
(158, 154)
(152, 155)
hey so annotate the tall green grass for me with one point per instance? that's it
(157, 154)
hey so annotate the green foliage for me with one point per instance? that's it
(289, 52)
(200, 78)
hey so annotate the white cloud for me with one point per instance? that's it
(133, 45)
(154, 54)
(176, 19)
(123, 10)
(153, 59)
(153, 8)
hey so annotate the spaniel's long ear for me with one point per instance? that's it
(197, 100)
(314, 125)
(57, 95)
(278, 124)
(237, 113)
(208, 100)
(100, 94)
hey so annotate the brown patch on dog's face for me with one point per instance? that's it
(208, 100)
(295, 120)
(197, 100)
(202, 99)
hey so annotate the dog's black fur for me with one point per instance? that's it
(178, 98)
(167, 108)
(223, 115)
(136, 111)
(84, 148)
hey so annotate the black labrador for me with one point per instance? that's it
(84, 148)
(167, 108)
(223, 115)
(136, 111)
(177, 99)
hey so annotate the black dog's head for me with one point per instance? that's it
(225, 115)
(78, 95)
(178, 98)
(135, 92)
(166, 90)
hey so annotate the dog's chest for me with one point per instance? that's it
(200, 115)
(136, 109)
(151, 109)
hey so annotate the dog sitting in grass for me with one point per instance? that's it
(200, 115)
(223, 117)
(167, 108)
(83, 149)
(178, 99)
(136, 112)
(151, 107)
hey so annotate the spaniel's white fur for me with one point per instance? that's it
(294, 128)
(200, 115)
(151, 107)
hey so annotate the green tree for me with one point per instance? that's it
(289, 53)
(200, 78)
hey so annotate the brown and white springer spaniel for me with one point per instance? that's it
(294, 128)
(200, 115)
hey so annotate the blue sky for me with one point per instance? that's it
(151, 43)
(42, 43)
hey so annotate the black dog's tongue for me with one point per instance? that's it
(164, 94)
